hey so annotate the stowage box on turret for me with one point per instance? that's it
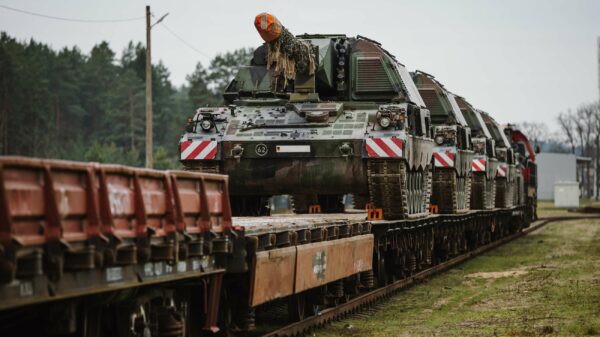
(317, 117)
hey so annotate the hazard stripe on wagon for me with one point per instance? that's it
(501, 172)
(478, 165)
(388, 147)
(198, 149)
(443, 159)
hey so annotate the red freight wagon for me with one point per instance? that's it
(72, 229)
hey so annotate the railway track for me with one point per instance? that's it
(369, 299)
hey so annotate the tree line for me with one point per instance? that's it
(67, 104)
(579, 134)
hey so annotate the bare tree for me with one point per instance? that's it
(566, 123)
(583, 120)
(586, 126)
(556, 143)
(582, 131)
(535, 131)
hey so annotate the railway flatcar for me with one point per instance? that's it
(89, 249)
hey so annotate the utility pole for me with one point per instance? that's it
(149, 114)
(149, 146)
(597, 171)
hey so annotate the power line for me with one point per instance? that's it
(169, 30)
(70, 19)
(183, 41)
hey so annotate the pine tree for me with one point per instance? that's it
(72, 105)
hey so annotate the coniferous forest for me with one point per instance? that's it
(90, 106)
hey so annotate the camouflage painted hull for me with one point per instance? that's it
(306, 118)
(297, 176)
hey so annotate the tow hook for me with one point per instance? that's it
(346, 150)
(237, 151)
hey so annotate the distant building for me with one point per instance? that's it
(564, 167)
(553, 167)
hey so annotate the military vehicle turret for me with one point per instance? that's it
(506, 172)
(484, 164)
(317, 116)
(452, 152)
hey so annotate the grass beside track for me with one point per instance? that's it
(543, 284)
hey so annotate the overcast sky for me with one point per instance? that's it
(520, 60)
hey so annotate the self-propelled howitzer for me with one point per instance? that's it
(484, 165)
(507, 171)
(453, 150)
(317, 117)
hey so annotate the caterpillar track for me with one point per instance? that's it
(401, 193)
(504, 193)
(447, 183)
(359, 201)
(483, 191)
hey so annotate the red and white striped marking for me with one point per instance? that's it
(443, 159)
(478, 165)
(198, 149)
(501, 172)
(388, 147)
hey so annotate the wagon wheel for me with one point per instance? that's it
(297, 307)
(381, 272)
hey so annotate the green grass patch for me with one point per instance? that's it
(544, 284)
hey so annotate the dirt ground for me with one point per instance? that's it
(544, 284)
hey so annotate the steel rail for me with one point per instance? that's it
(365, 300)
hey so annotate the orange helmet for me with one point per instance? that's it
(268, 26)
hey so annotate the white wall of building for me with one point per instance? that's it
(553, 167)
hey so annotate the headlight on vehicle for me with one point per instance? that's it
(237, 151)
(384, 122)
(390, 116)
(206, 125)
(346, 149)
(439, 139)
